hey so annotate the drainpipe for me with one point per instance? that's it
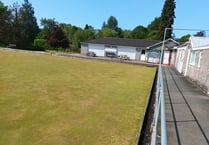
(187, 61)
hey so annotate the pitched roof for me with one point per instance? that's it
(168, 44)
(123, 42)
(199, 41)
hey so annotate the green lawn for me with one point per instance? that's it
(48, 100)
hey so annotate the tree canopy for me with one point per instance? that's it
(28, 24)
(4, 23)
(19, 26)
(167, 19)
(57, 38)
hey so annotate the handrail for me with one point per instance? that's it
(160, 104)
(159, 110)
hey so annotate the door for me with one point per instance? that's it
(143, 56)
(181, 61)
(166, 57)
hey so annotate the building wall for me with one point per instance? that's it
(101, 49)
(98, 49)
(173, 57)
(129, 51)
(198, 68)
(181, 58)
(84, 49)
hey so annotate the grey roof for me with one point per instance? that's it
(141, 43)
(199, 41)
(168, 44)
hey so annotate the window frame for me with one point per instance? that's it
(199, 59)
(193, 58)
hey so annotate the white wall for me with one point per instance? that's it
(97, 49)
(129, 51)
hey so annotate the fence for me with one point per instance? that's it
(159, 105)
(159, 111)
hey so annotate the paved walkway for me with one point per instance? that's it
(187, 111)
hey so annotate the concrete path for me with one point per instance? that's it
(187, 111)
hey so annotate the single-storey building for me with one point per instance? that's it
(169, 52)
(192, 60)
(135, 49)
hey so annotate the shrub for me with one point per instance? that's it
(41, 44)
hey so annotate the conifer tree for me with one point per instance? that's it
(167, 18)
(28, 23)
(4, 24)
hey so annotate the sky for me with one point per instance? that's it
(190, 14)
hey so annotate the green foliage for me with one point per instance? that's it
(153, 29)
(139, 32)
(19, 26)
(155, 24)
(107, 32)
(41, 43)
(5, 24)
(28, 25)
(127, 34)
(153, 35)
(112, 23)
(167, 18)
(184, 38)
(58, 39)
(48, 25)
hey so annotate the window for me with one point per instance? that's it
(114, 47)
(111, 46)
(200, 59)
(107, 46)
(193, 58)
(138, 49)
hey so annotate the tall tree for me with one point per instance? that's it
(154, 25)
(48, 25)
(167, 18)
(4, 24)
(112, 23)
(15, 35)
(107, 32)
(28, 24)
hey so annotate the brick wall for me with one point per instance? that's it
(198, 72)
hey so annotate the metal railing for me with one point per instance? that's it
(159, 111)
(160, 105)
(160, 100)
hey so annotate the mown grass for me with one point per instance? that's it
(46, 100)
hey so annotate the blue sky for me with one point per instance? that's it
(190, 14)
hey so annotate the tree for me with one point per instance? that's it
(15, 28)
(89, 34)
(107, 32)
(139, 32)
(153, 29)
(48, 25)
(28, 24)
(58, 39)
(112, 23)
(155, 24)
(184, 38)
(167, 18)
(201, 34)
(127, 34)
(153, 35)
(5, 24)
